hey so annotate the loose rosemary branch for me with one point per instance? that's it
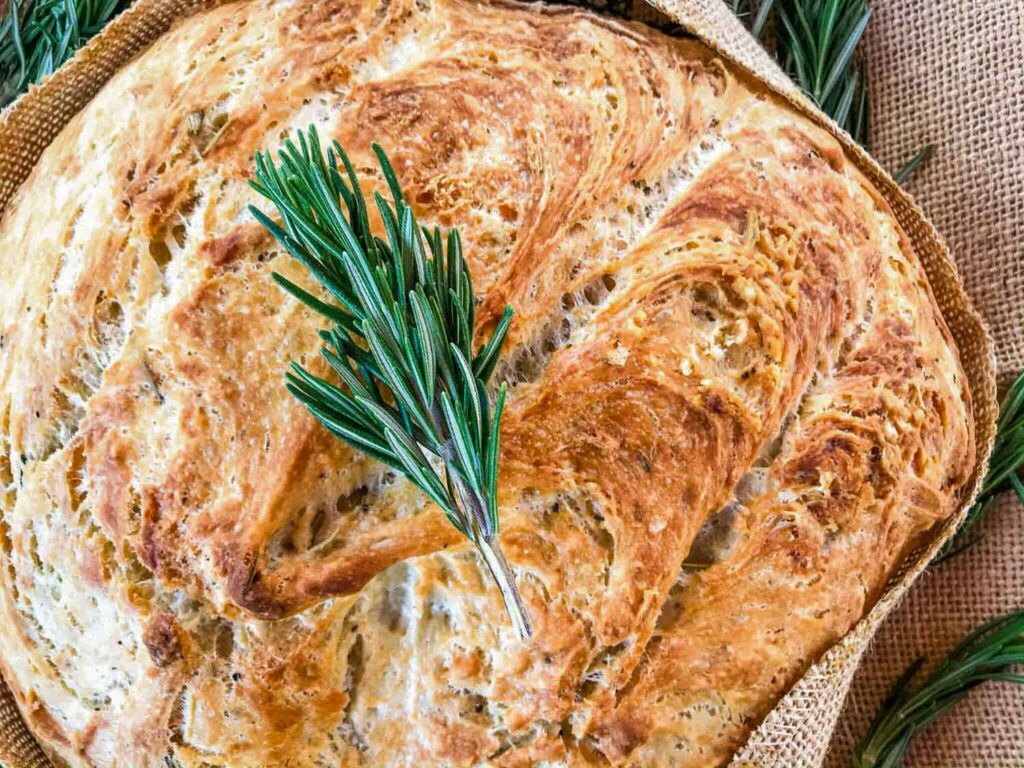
(816, 42)
(989, 652)
(1003, 471)
(37, 36)
(402, 318)
(986, 654)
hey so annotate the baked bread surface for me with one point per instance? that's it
(724, 352)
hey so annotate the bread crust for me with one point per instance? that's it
(718, 323)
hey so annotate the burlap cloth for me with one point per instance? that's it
(944, 71)
(952, 72)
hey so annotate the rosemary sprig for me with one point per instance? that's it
(402, 318)
(816, 42)
(988, 653)
(37, 36)
(1003, 471)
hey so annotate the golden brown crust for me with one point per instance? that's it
(717, 317)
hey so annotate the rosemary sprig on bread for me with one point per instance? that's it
(410, 391)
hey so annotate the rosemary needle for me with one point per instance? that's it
(400, 341)
(914, 163)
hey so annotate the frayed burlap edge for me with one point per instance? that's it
(796, 733)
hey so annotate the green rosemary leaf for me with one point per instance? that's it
(796, 56)
(427, 345)
(841, 112)
(806, 36)
(493, 450)
(829, 17)
(388, 172)
(860, 118)
(462, 456)
(911, 166)
(329, 311)
(986, 654)
(760, 19)
(487, 358)
(841, 63)
(16, 40)
(474, 405)
(1018, 486)
(401, 341)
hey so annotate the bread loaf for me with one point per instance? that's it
(734, 408)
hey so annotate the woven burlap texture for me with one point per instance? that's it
(796, 733)
(952, 73)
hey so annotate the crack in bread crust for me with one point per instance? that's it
(192, 569)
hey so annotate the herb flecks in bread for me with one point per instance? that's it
(705, 288)
(403, 314)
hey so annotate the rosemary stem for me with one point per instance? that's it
(480, 533)
(486, 542)
(491, 552)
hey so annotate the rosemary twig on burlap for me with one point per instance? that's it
(988, 653)
(37, 36)
(991, 651)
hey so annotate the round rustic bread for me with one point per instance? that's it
(734, 404)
